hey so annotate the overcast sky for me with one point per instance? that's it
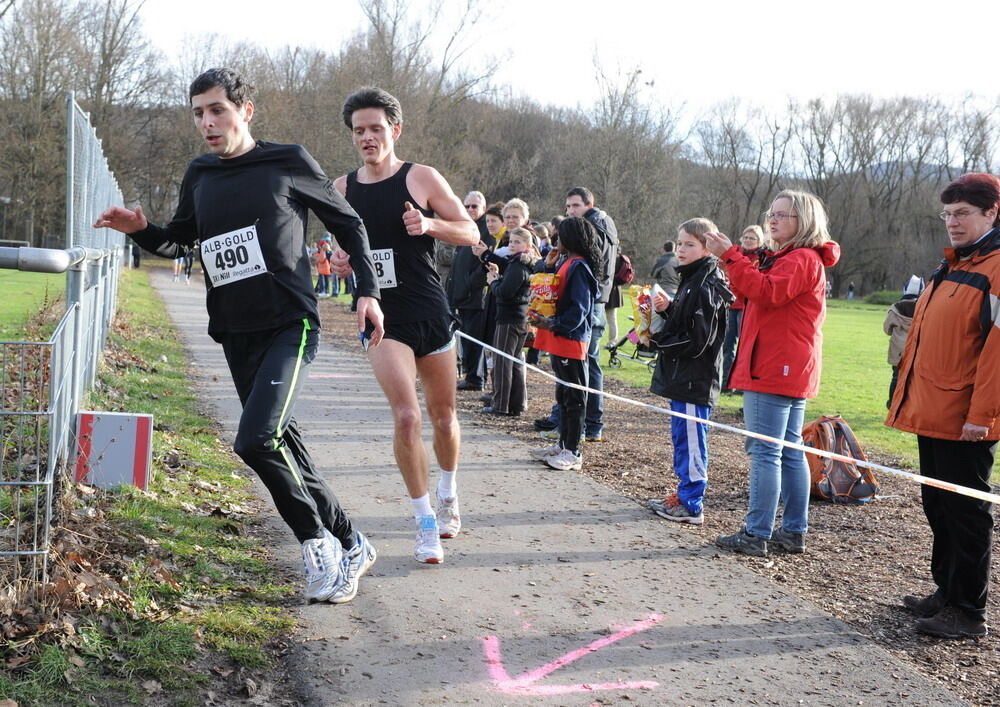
(696, 52)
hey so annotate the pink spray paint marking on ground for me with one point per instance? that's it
(524, 684)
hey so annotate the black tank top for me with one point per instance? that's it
(410, 287)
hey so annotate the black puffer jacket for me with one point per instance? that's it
(689, 368)
(512, 289)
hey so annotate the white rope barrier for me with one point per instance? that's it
(910, 476)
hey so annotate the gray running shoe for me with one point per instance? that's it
(794, 543)
(542, 453)
(672, 509)
(322, 560)
(355, 564)
(743, 542)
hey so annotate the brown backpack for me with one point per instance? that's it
(832, 479)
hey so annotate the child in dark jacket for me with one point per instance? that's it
(510, 289)
(566, 336)
(689, 367)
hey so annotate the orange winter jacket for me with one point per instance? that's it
(950, 370)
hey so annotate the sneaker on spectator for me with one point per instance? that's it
(542, 453)
(924, 607)
(428, 546)
(322, 560)
(553, 436)
(565, 460)
(448, 518)
(356, 562)
(794, 543)
(486, 398)
(952, 622)
(671, 508)
(743, 542)
(545, 423)
(598, 437)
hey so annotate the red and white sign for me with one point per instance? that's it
(114, 449)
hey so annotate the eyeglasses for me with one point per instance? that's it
(473, 206)
(961, 215)
(778, 216)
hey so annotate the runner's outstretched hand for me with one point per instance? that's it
(122, 220)
(414, 220)
(340, 263)
(368, 309)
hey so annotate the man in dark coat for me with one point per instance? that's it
(466, 290)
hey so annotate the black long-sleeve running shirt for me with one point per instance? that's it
(250, 213)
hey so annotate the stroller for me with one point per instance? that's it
(643, 353)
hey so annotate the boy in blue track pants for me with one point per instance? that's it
(691, 331)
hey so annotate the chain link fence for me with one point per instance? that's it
(42, 383)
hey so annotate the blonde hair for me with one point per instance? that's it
(518, 204)
(757, 232)
(698, 227)
(527, 235)
(813, 225)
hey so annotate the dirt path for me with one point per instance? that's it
(560, 590)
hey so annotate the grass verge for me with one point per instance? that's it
(855, 379)
(162, 592)
(24, 294)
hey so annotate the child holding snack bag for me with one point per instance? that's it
(566, 336)
(689, 368)
(511, 291)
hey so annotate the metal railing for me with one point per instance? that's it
(43, 383)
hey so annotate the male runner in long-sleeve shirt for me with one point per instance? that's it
(246, 202)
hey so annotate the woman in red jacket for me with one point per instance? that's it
(778, 363)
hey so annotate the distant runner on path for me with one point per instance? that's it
(405, 207)
(246, 203)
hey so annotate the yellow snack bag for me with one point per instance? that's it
(543, 295)
(642, 311)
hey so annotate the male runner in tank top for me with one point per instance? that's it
(246, 202)
(405, 207)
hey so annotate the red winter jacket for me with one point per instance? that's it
(781, 341)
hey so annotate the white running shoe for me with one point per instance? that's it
(322, 559)
(356, 562)
(565, 461)
(449, 519)
(428, 548)
(544, 453)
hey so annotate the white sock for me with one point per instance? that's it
(422, 506)
(447, 486)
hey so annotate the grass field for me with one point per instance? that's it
(24, 293)
(855, 378)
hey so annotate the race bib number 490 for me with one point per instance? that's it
(232, 256)
(385, 267)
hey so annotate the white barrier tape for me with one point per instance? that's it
(937, 483)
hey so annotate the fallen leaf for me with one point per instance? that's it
(152, 686)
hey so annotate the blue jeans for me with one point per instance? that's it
(595, 403)
(776, 471)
